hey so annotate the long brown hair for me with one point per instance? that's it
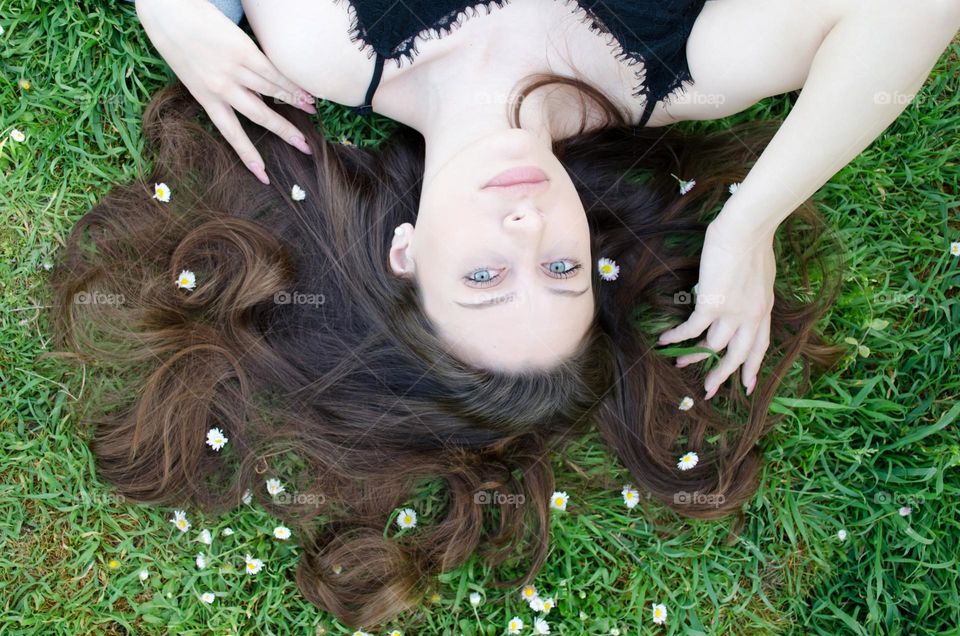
(322, 370)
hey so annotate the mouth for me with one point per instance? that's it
(520, 177)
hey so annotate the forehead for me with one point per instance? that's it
(515, 335)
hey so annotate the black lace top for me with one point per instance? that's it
(648, 31)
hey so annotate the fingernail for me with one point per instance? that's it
(305, 102)
(751, 385)
(258, 171)
(709, 393)
(300, 144)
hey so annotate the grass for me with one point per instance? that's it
(877, 432)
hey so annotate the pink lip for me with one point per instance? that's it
(517, 176)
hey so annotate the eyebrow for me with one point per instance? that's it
(508, 297)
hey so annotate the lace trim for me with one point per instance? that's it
(446, 24)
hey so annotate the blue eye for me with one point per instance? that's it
(481, 277)
(563, 268)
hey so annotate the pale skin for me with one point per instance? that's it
(842, 53)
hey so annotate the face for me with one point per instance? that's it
(503, 271)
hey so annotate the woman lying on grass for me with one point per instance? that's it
(453, 306)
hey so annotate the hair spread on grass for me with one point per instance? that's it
(348, 396)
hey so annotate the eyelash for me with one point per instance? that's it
(570, 272)
(474, 283)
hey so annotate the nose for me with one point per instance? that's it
(523, 220)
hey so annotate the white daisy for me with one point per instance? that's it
(281, 532)
(842, 534)
(559, 499)
(688, 461)
(226, 532)
(407, 519)
(143, 575)
(361, 633)
(905, 510)
(252, 565)
(608, 269)
(734, 187)
(540, 626)
(630, 496)
(247, 496)
(548, 604)
(536, 604)
(216, 439)
(1, 30)
(515, 625)
(274, 487)
(955, 248)
(395, 632)
(687, 186)
(161, 192)
(686, 403)
(659, 613)
(475, 599)
(337, 569)
(206, 537)
(201, 561)
(207, 597)
(17, 135)
(528, 593)
(180, 520)
(345, 141)
(297, 193)
(186, 280)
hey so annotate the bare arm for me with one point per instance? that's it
(859, 63)
(864, 73)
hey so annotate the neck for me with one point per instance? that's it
(470, 108)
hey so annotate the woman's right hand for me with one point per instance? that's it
(225, 71)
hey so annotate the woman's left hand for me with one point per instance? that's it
(734, 299)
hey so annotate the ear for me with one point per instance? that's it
(401, 252)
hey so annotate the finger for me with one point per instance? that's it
(751, 366)
(262, 66)
(267, 88)
(264, 116)
(693, 327)
(718, 336)
(689, 358)
(737, 352)
(229, 126)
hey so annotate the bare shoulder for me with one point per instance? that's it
(309, 42)
(742, 51)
